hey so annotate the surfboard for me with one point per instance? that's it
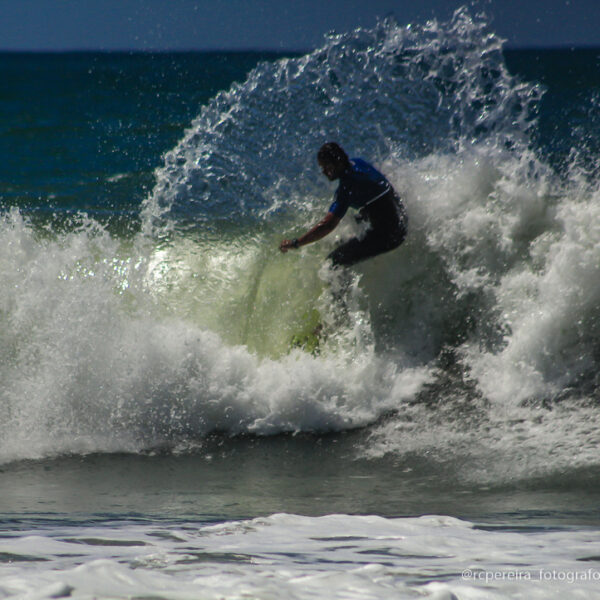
(308, 338)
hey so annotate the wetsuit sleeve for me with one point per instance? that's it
(340, 204)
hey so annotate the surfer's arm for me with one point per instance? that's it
(324, 227)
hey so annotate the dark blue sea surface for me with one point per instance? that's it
(85, 131)
(568, 111)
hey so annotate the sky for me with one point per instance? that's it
(270, 24)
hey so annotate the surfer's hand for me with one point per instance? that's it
(286, 245)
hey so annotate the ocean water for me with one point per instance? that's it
(160, 434)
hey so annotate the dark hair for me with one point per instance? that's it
(332, 153)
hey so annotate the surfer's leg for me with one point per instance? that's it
(347, 254)
(356, 250)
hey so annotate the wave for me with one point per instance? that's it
(479, 332)
(97, 355)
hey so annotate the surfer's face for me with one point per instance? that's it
(331, 170)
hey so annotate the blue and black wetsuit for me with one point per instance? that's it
(364, 188)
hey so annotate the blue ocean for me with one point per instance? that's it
(171, 426)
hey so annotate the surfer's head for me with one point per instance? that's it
(332, 160)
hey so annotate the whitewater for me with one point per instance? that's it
(161, 435)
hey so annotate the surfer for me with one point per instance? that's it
(364, 188)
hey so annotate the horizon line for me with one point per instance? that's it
(584, 46)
